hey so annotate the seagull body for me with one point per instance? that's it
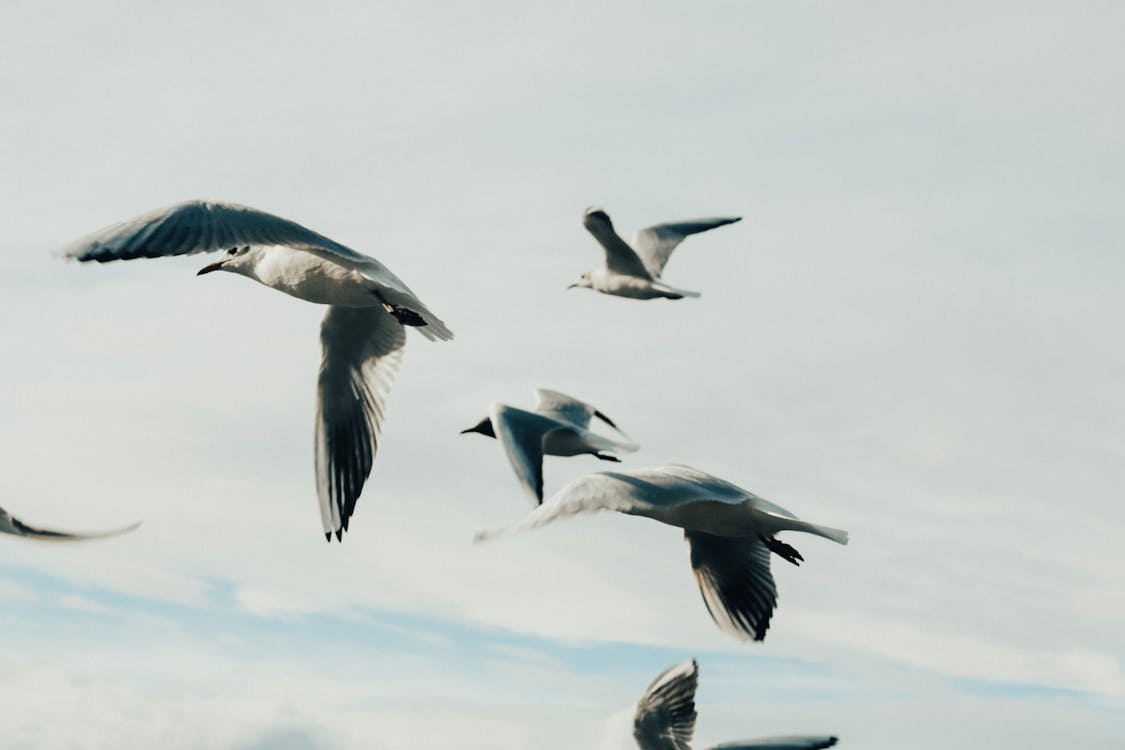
(729, 530)
(635, 271)
(559, 426)
(665, 717)
(362, 334)
(9, 524)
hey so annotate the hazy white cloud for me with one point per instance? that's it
(910, 336)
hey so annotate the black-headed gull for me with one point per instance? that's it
(559, 426)
(362, 334)
(665, 717)
(635, 271)
(9, 524)
(729, 530)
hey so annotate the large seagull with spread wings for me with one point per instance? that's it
(362, 334)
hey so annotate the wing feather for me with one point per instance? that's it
(665, 717)
(522, 434)
(619, 257)
(9, 524)
(362, 351)
(794, 742)
(735, 580)
(654, 245)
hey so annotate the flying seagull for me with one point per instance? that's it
(362, 334)
(665, 718)
(559, 426)
(730, 532)
(635, 271)
(9, 524)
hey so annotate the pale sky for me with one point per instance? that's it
(914, 334)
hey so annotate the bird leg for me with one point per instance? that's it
(607, 457)
(782, 550)
(402, 315)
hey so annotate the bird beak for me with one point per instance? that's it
(210, 268)
(571, 286)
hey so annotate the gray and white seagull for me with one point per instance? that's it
(9, 524)
(559, 426)
(362, 334)
(730, 531)
(665, 717)
(636, 271)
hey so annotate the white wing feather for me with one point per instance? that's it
(655, 244)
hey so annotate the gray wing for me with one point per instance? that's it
(634, 491)
(619, 257)
(205, 226)
(655, 244)
(665, 718)
(522, 433)
(735, 580)
(200, 227)
(569, 409)
(362, 351)
(794, 742)
(9, 524)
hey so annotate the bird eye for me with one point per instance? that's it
(232, 251)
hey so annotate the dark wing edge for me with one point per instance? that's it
(665, 717)
(735, 581)
(654, 244)
(362, 349)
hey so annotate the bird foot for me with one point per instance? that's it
(607, 457)
(404, 316)
(783, 550)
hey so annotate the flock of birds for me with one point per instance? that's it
(731, 532)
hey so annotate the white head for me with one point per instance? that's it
(585, 280)
(239, 259)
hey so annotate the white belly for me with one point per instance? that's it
(314, 279)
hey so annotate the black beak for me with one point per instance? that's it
(210, 268)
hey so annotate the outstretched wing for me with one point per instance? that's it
(522, 433)
(735, 580)
(655, 244)
(619, 257)
(794, 742)
(9, 524)
(569, 409)
(201, 227)
(205, 226)
(665, 718)
(637, 491)
(563, 407)
(362, 353)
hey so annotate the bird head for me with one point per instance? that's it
(484, 427)
(236, 259)
(583, 281)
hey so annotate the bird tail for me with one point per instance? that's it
(837, 535)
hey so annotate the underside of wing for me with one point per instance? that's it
(521, 433)
(655, 244)
(201, 227)
(665, 717)
(9, 524)
(735, 580)
(563, 407)
(363, 349)
(794, 742)
(619, 257)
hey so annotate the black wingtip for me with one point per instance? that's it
(339, 535)
(328, 537)
(606, 419)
